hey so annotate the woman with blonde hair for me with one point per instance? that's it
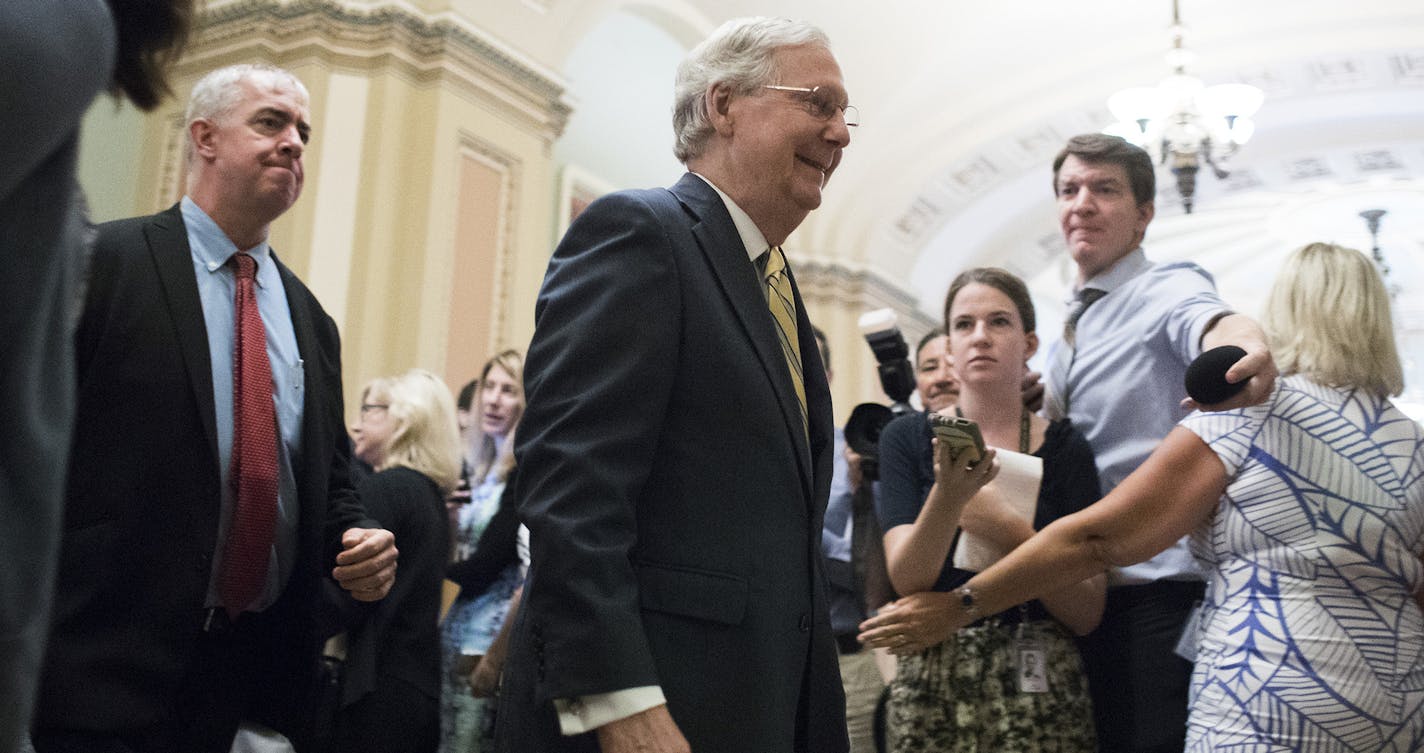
(475, 618)
(1307, 512)
(408, 434)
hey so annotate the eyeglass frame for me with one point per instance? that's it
(850, 114)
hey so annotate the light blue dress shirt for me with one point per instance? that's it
(1125, 384)
(217, 284)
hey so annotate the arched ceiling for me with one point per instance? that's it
(963, 106)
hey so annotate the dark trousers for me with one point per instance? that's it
(1138, 683)
(394, 718)
(224, 679)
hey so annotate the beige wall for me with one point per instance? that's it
(424, 225)
(432, 201)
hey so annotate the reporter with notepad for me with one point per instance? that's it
(967, 693)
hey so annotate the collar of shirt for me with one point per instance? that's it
(1114, 277)
(212, 248)
(751, 235)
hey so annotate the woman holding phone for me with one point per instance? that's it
(1011, 680)
(1306, 511)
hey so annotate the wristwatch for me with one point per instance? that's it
(967, 602)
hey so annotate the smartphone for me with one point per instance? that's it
(959, 433)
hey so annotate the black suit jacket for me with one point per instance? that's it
(674, 500)
(142, 503)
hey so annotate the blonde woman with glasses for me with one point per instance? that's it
(408, 434)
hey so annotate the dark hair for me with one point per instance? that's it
(825, 346)
(932, 334)
(1002, 280)
(467, 394)
(1113, 150)
(151, 34)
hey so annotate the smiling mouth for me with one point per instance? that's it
(823, 168)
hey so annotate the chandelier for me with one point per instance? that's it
(1182, 121)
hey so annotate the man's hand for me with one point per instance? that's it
(910, 624)
(651, 731)
(1032, 389)
(366, 565)
(1257, 365)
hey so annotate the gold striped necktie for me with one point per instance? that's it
(782, 303)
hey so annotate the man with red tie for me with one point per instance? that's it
(208, 493)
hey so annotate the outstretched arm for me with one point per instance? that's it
(1173, 491)
(1257, 365)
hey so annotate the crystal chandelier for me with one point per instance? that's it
(1184, 122)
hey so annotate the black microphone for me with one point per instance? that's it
(1206, 376)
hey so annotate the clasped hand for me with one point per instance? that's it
(910, 624)
(366, 565)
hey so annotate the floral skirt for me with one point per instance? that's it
(963, 695)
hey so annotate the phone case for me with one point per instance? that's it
(958, 433)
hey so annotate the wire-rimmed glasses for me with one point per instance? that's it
(820, 103)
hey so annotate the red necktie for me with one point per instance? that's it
(253, 474)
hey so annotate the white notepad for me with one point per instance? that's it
(1017, 483)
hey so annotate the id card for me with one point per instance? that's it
(1031, 663)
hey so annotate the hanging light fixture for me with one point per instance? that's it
(1372, 219)
(1184, 122)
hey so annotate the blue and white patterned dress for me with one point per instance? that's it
(1312, 640)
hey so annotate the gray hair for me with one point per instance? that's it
(741, 55)
(217, 94)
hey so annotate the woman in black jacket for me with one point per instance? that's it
(408, 434)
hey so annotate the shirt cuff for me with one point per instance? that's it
(590, 712)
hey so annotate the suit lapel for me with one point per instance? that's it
(298, 304)
(717, 236)
(167, 238)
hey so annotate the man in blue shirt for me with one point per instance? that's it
(156, 646)
(1134, 326)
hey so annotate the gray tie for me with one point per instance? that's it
(1061, 362)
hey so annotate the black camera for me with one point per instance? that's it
(897, 378)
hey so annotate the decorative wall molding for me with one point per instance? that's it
(832, 284)
(957, 187)
(424, 49)
(510, 167)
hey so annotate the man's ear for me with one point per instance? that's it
(1145, 211)
(202, 134)
(1031, 345)
(719, 108)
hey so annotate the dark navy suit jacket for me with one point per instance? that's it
(142, 504)
(673, 496)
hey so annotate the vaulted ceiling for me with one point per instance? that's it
(964, 104)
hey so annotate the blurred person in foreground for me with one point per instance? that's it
(969, 691)
(408, 434)
(1307, 511)
(208, 493)
(55, 56)
(675, 457)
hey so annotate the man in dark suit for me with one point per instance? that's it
(675, 455)
(156, 645)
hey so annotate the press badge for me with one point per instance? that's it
(1032, 661)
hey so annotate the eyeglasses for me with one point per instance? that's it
(820, 103)
(367, 407)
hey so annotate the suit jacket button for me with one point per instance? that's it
(805, 623)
